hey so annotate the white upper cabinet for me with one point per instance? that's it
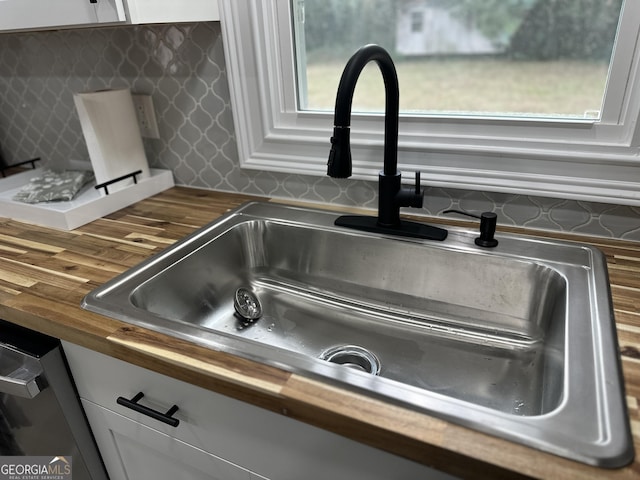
(171, 11)
(35, 14)
(48, 14)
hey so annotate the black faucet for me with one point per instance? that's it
(391, 195)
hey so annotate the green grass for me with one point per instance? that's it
(562, 88)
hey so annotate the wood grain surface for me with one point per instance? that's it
(45, 273)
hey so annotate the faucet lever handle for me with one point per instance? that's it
(418, 183)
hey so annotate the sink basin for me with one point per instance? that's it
(492, 334)
(517, 341)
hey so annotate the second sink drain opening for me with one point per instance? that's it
(353, 356)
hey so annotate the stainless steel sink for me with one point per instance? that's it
(518, 341)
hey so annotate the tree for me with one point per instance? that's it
(567, 29)
(339, 25)
(529, 29)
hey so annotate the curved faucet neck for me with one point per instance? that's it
(346, 90)
(391, 195)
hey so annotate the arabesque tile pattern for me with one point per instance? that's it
(182, 66)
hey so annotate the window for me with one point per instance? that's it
(523, 58)
(416, 22)
(590, 152)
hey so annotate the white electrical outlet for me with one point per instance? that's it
(146, 116)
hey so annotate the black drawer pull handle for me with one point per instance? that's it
(105, 185)
(150, 412)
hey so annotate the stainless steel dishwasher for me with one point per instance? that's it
(40, 414)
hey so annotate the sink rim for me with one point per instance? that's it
(613, 447)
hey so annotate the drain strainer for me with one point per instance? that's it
(354, 357)
(247, 306)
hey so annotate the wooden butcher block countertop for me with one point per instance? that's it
(45, 273)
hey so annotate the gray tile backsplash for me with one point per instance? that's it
(182, 66)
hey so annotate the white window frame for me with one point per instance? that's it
(577, 159)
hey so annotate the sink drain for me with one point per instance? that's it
(354, 357)
(247, 306)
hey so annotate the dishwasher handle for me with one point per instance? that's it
(23, 382)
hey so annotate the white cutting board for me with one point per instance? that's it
(110, 128)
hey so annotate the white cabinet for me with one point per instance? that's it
(172, 11)
(217, 437)
(134, 451)
(46, 14)
(27, 14)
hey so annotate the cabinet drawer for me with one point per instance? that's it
(259, 440)
(131, 450)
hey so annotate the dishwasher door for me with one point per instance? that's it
(40, 413)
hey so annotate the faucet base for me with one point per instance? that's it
(405, 229)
